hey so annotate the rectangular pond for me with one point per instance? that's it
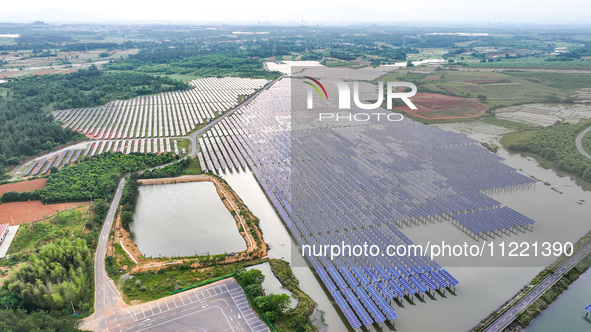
(184, 219)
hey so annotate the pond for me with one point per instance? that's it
(184, 219)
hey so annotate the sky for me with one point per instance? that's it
(308, 11)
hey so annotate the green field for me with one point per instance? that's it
(500, 88)
(505, 123)
(152, 285)
(67, 224)
(514, 138)
(531, 62)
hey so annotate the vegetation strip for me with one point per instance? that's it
(203, 283)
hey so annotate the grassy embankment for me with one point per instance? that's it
(305, 306)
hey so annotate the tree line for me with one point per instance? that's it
(557, 144)
(26, 126)
(217, 60)
(98, 176)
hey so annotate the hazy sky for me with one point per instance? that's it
(473, 11)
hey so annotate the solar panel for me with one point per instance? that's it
(357, 307)
(382, 304)
(370, 305)
(346, 310)
(324, 181)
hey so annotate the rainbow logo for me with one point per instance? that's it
(316, 87)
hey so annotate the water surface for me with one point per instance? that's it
(184, 219)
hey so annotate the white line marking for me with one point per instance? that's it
(168, 321)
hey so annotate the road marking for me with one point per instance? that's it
(192, 313)
(131, 314)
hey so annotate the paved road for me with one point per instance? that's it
(579, 143)
(220, 306)
(504, 320)
(108, 302)
(201, 131)
(106, 295)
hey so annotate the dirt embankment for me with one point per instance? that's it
(23, 186)
(246, 223)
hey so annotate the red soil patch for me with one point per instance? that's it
(435, 106)
(23, 186)
(8, 74)
(23, 212)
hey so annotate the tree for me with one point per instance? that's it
(20, 321)
(273, 305)
(58, 274)
(251, 281)
(100, 208)
(126, 219)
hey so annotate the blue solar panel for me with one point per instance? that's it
(408, 288)
(438, 279)
(418, 284)
(351, 280)
(448, 277)
(382, 304)
(325, 278)
(385, 291)
(334, 273)
(358, 308)
(399, 291)
(370, 305)
(428, 281)
(346, 309)
(321, 180)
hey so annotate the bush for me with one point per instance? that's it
(126, 219)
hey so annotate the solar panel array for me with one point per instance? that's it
(70, 155)
(166, 114)
(355, 184)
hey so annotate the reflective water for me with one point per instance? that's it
(567, 312)
(561, 212)
(184, 219)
